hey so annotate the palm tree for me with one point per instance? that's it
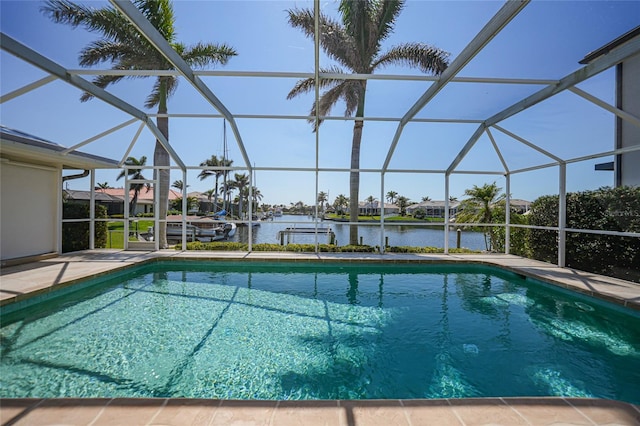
(340, 203)
(126, 49)
(478, 207)
(257, 197)
(370, 200)
(224, 188)
(213, 162)
(178, 184)
(209, 193)
(241, 180)
(322, 198)
(453, 199)
(403, 202)
(355, 43)
(426, 198)
(392, 196)
(135, 173)
(101, 186)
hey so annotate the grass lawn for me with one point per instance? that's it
(115, 232)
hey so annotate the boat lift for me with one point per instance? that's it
(293, 231)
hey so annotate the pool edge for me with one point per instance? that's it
(471, 411)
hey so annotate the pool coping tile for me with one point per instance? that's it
(21, 282)
(440, 412)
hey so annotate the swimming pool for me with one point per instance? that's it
(318, 331)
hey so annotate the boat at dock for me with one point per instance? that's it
(199, 228)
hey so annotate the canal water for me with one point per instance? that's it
(397, 234)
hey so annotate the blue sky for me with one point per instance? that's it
(545, 41)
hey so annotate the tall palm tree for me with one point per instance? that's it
(135, 173)
(241, 180)
(212, 162)
(356, 43)
(392, 196)
(126, 49)
(257, 197)
(225, 189)
(322, 198)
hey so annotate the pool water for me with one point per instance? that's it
(319, 331)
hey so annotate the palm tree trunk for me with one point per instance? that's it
(161, 158)
(354, 182)
(215, 200)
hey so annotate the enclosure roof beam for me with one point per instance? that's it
(138, 20)
(602, 104)
(506, 13)
(34, 58)
(101, 135)
(322, 75)
(598, 65)
(466, 148)
(28, 88)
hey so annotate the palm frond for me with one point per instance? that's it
(334, 40)
(328, 100)
(352, 95)
(203, 54)
(103, 51)
(101, 81)
(171, 85)
(160, 14)
(105, 20)
(428, 58)
(308, 84)
(384, 17)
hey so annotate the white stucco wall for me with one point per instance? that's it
(28, 210)
(630, 133)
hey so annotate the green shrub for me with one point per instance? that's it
(75, 235)
(616, 209)
(518, 237)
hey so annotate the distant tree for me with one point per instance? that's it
(370, 200)
(134, 172)
(452, 199)
(217, 174)
(478, 208)
(426, 198)
(341, 203)
(256, 196)
(209, 193)
(403, 202)
(192, 203)
(178, 184)
(392, 197)
(101, 186)
(241, 180)
(322, 198)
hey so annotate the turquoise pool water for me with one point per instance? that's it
(319, 331)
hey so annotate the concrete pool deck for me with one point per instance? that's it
(23, 281)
